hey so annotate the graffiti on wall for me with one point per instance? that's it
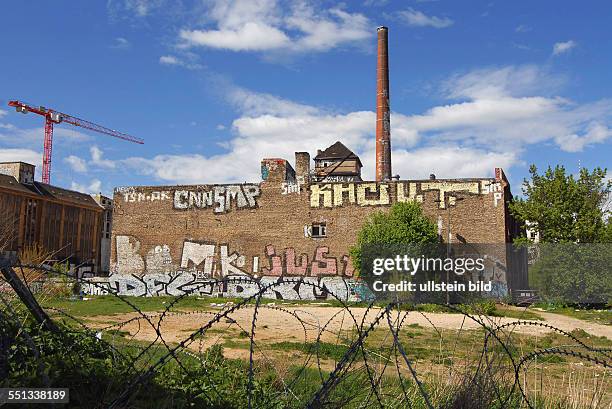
(267, 167)
(337, 194)
(134, 196)
(211, 269)
(217, 260)
(378, 194)
(277, 169)
(290, 187)
(188, 283)
(220, 198)
(322, 264)
(338, 178)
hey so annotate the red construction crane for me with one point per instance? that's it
(55, 117)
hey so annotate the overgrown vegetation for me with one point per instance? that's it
(566, 209)
(99, 365)
(98, 372)
(404, 224)
(598, 315)
(571, 216)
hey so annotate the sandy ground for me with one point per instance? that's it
(306, 323)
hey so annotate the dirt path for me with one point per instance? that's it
(306, 323)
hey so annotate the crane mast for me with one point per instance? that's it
(56, 117)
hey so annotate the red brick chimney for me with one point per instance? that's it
(383, 124)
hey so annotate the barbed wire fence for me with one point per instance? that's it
(374, 362)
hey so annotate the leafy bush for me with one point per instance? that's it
(405, 223)
(571, 273)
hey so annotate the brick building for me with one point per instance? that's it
(293, 229)
(65, 223)
(171, 239)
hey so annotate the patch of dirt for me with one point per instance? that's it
(306, 323)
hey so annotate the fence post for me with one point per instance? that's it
(26, 296)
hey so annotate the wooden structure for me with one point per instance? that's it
(66, 223)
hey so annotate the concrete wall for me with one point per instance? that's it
(23, 172)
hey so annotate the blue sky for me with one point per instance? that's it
(213, 86)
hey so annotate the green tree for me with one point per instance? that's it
(405, 223)
(607, 235)
(565, 209)
(569, 213)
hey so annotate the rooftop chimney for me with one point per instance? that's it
(383, 125)
(302, 167)
(23, 172)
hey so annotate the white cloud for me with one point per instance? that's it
(521, 46)
(264, 25)
(67, 135)
(94, 186)
(174, 60)
(169, 60)
(254, 103)
(2, 113)
(20, 155)
(563, 47)
(417, 18)
(220, 127)
(595, 133)
(376, 3)
(252, 36)
(258, 137)
(35, 136)
(324, 33)
(495, 114)
(449, 162)
(138, 8)
(522, 29)
(121, 43)
(516, 81)
(97, 160)
(77, 164)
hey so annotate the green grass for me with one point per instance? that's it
(600, 316)
(324, 350)
(522, 314)
(109, 304)
(97, 376)
(237, 344)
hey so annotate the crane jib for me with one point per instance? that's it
(56, 117)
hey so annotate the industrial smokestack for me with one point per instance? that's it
(383, 123)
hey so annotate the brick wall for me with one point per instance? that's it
(265, 229)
